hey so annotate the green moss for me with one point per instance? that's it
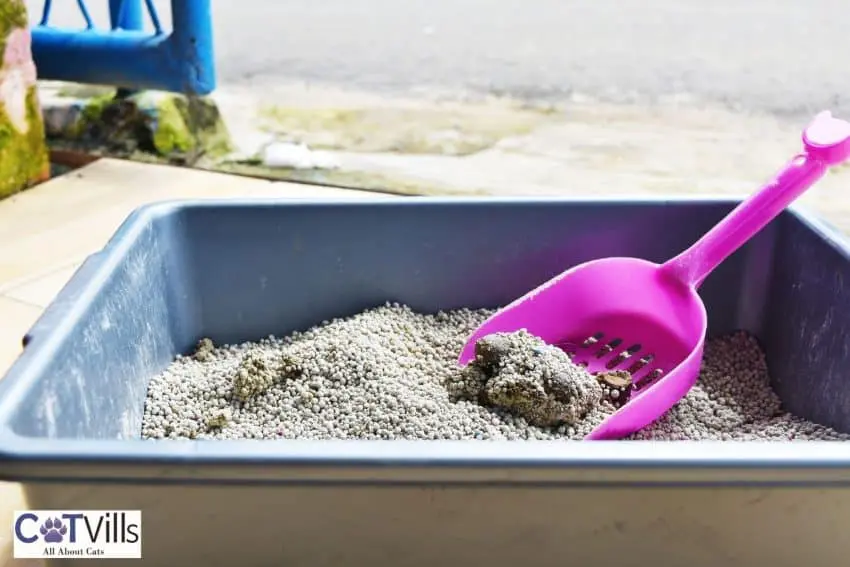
(204, 119)
(90, 115)
(190, 125)
(311, 118)
(23, 156)
(92, 112)
(181, 129)
(13, 14)
(113, 124)
(76, 90)
(445, 130)
(171, 132)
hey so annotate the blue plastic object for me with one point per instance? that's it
(128, 15)
(71, 406)
(126, 55)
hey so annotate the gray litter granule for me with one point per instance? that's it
(387, 373)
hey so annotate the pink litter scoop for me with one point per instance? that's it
(632, 314)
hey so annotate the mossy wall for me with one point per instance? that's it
(180, 129)
(23, 152)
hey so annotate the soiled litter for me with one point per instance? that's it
(522, 375)
(391, 373)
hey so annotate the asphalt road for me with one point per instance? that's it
(782, 56)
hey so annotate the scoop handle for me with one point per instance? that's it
(826, 141)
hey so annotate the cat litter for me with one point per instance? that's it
(391, 373)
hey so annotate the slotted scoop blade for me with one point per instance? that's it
(636, 315)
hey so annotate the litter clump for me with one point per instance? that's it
(391, 373)
(204, 351)
(521, 374)
(258, 371)
(219, 418)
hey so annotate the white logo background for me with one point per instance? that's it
(92, 534)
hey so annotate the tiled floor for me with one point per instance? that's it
(46, 232)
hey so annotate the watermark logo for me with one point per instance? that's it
(93, 534)
(53, 530)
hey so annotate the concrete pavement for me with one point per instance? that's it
(779, 56)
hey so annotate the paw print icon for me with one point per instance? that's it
(53, 530)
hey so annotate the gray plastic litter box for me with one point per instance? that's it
(71, 406)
